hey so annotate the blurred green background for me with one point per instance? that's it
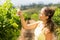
(10, 24)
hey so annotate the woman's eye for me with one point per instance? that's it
(40, 14)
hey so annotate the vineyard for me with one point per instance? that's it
(10, 24)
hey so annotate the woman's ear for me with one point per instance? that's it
(47, 17)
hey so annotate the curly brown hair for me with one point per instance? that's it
(49, 12)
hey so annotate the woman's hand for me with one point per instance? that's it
(24, 24)
(19, 12)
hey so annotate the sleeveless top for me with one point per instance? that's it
(39, 32)
(38, 29)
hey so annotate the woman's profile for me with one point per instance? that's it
(40, 30)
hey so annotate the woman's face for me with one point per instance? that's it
(42, 16)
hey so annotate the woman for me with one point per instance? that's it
(43, 28)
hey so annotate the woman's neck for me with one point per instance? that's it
(44, 22)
